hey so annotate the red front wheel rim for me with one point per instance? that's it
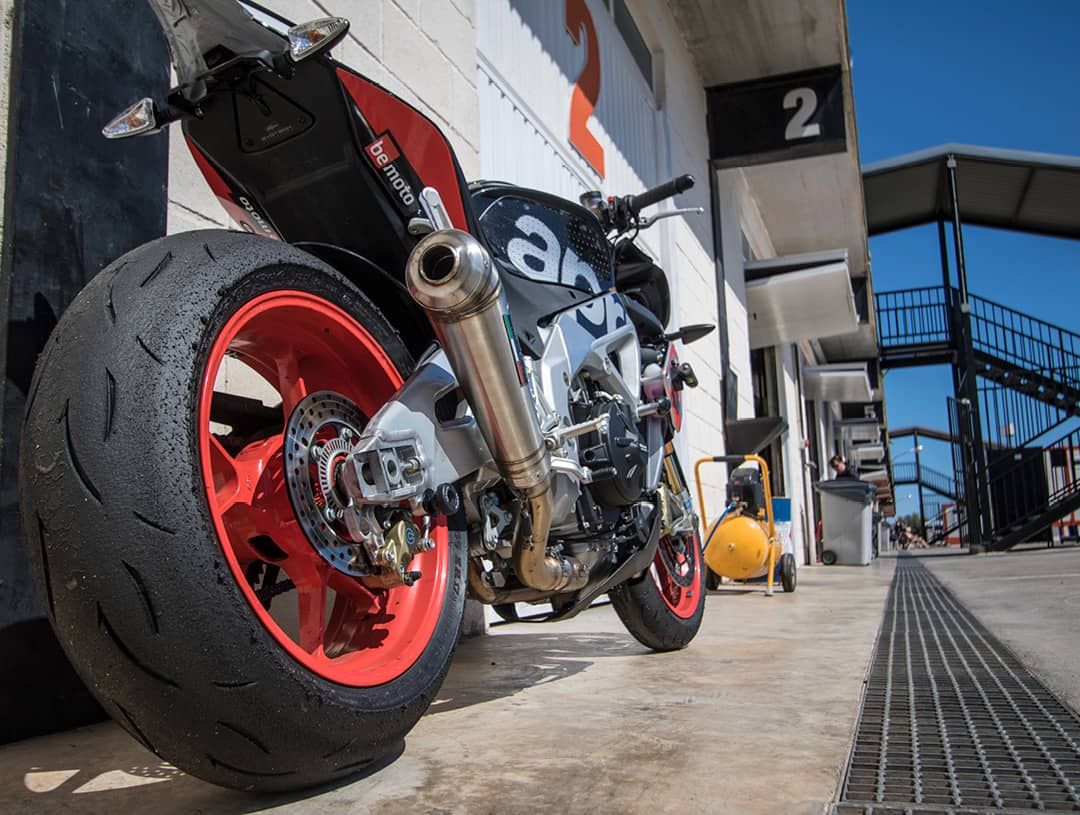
(329, 622)
(680, 592)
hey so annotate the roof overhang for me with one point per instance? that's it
(745, 437)
(867, 452)
(801, 305)
(1007, 189)
(838, 382)
(860, 430)
(812, 202)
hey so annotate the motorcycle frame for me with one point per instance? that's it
(340, 169)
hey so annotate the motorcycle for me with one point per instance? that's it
(262, 470)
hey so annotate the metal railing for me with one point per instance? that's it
(1026, 342)
(1035, 482)
(945, 523)
(921, 316)
(907, 472)
(1028, 373)
(913, 317)
(1011, 418)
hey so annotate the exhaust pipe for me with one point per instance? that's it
(452, 277)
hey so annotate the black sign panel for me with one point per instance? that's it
(75, 201)
(777, 118)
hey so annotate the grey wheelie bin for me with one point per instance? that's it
(847, 518)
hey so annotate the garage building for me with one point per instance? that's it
(754, 99)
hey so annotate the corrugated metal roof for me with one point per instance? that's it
(1007, 189)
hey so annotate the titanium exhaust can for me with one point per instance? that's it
(452, 277)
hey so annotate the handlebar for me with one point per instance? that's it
(636, 203)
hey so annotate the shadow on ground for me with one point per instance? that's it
(125, 777)
(100, 769)
(489, 668)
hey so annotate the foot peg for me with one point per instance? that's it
(684, 376)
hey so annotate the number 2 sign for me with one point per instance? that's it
(777, 118)
(587, 87)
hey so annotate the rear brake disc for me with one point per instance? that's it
(320, 433)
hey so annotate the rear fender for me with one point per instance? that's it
(193, 27)
(384, 289)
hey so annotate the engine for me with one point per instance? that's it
(617, 456)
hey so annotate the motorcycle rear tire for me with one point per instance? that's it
(123, 543)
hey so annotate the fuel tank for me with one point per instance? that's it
(544, 238)
(738, 547)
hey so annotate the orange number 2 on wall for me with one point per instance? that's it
(587, 87)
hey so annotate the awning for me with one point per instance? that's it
(860, 430)
(1007, 189)
(767, 267)
(838, 382)
(745, 437)
(867, 452)
(802, 305)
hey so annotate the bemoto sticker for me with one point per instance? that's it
(382, 151)
(395, 172)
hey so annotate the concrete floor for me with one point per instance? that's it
(755, 716)
(1030, 599)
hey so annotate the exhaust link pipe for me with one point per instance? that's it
(452, 277)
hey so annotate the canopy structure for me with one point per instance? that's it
(799, 305)
(1006, 189)
(867, 452)
(749, 436)
(838, 382)
(860, 430)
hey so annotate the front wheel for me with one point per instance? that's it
(205, 600)
(663, 608)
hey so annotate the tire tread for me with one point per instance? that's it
(151, 613)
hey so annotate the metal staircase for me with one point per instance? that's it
(1017, 459)
(1026, 505)
(908, 472)
(1028, 356)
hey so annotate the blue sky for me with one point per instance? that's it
(985, 72)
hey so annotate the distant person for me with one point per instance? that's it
(842, 468)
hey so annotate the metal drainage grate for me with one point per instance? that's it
(951, 721)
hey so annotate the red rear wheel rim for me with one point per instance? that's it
(329, 622)
(682, 600)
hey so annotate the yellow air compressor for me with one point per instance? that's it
(741, 544)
